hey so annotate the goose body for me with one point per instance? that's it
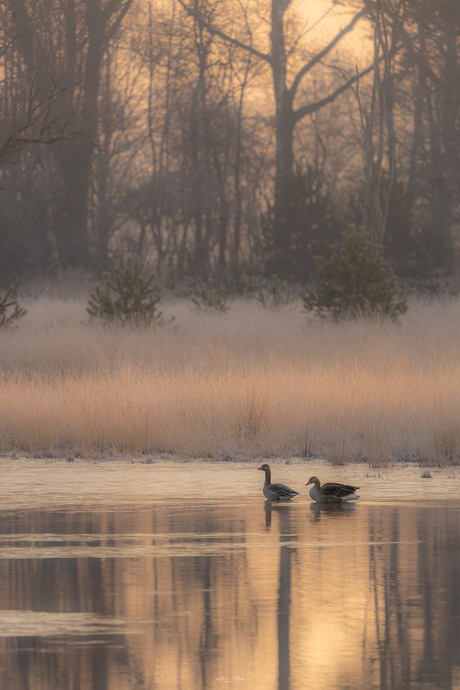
(332, 492)
(275, 492)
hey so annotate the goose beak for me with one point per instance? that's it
(259, 468)
(309, 482)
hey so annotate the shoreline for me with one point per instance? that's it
(53, 483)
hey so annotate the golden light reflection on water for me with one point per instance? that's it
(288, 596)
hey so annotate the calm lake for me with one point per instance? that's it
(214, 593)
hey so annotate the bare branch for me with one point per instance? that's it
(309, 65)
(313, 107)
(5, 47)
(39, 121)
(109, 10)
(221, 34)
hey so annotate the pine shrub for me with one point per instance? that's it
(18, 312)
(275, 295)
(131, 300)
(355, 282)
(212, 298)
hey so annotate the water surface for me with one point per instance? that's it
(201, 595)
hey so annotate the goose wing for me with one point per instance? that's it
(282, 490)
(338, 490)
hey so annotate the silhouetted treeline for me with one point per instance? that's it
(207, 138)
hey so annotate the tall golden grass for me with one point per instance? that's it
(244, 384)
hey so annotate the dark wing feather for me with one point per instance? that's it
(338, 490)
(282, 490)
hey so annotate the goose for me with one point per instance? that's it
(332, 492)
(275, 492)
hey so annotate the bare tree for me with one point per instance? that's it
(287, 114)
(190, 200)
(377, 119)
(56, 41)
(430, 38)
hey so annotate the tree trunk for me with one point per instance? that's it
(284, 121)
(380, 138)
(72, 232)
(417, 137)
(284, 131)
(75, 158)
(451, 103)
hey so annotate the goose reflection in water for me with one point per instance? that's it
(331, 510)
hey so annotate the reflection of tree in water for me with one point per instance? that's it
(55, 585)
(284, 589)
(439, 588)
(284, 600)
(415, 598)
(208, 638)
(393, 602)
(190, 607)
(391, 622)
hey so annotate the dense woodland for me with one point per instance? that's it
(227, 139)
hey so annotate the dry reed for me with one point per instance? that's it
(248, 383)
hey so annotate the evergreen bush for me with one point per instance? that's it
(354, 282)
(212, 298)
(134, 300)
(18, 312)
(275, 296)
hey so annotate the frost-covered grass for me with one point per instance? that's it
(239, 385)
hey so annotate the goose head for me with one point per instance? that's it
(264, 468)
